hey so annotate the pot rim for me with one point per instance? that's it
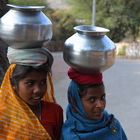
(91, 30)
(25, 8)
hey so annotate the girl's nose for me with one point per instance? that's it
(99, 103)
(36, 89)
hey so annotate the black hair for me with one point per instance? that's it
(84, 87)
(21, 71)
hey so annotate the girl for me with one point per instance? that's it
(86, 115)
(28, 110)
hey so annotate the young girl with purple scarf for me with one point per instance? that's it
(86, 117)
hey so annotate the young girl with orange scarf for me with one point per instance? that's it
(28, 110)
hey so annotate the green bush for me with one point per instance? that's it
(122, 50)
(63, 24)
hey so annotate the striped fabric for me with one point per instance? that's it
(17, 121)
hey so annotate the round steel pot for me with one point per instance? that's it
(25, 27)
(89, 50)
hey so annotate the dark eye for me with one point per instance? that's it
(29, 83)
(92, 99)
(43, 82)
(103, 98)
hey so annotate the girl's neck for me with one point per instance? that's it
(37, 110)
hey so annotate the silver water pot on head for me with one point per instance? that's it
(25, 27)
(89, 50)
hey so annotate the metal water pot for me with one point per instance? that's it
(25, 26)
(89, 50)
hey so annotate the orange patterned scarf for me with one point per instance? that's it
(17, 121)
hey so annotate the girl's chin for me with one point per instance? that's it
(34, 102)
(97, 117)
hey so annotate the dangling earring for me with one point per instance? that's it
(13, 83)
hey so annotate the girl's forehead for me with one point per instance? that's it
(36, 74)
(95, 91)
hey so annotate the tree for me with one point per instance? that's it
(81, 10)
(63, 24)
(132, 10)
(112, 17)
(122, 17)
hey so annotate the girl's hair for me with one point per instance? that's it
(84, 87)
(21, 71)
